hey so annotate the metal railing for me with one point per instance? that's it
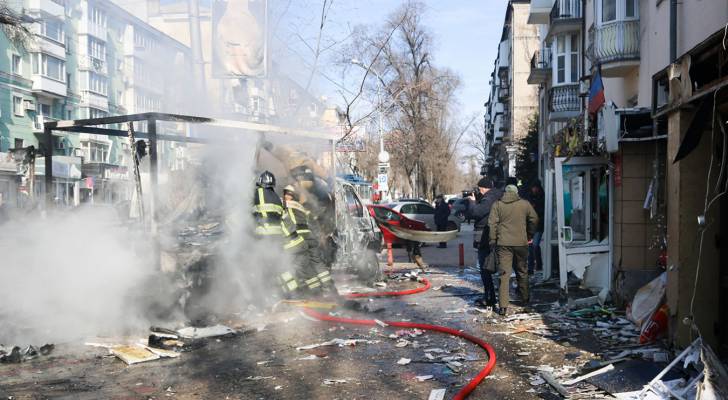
(504, 92)
(541, 59)
(564, 98)
(614, 41)
(565, 9)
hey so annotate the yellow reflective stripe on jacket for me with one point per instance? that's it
(268, 230)
(303, 231)
(293, 243)
(289, 282)
(264, 208)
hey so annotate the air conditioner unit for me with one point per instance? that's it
(28, 105)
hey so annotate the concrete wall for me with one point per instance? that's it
(525, 42)
(697, 19)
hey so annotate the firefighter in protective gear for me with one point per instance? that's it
(272, 224)
(317, 276)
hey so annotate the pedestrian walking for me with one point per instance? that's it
(536, 198)
(487, 195)
(512, 222)
(442, 212)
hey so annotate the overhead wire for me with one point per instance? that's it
(704, 228)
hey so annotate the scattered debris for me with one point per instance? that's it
(311, 357)
(422, 378)
(206, 332)
(404, 361)
(522, 317)
(455, 366)
(338, 342)
(602, 370)
(523, 353)
(133, 354)
(381, 323)
(437, 394)
(16, 355)
(259, 378)
(334, 381)
(551, 380)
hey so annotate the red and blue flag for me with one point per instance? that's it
(596, 93)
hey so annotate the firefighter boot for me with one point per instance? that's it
(420, 262)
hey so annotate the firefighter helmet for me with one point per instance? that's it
(266, 180)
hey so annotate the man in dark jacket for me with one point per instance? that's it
(487, 196)
(536, 198)
(442, 212)
(512, 222)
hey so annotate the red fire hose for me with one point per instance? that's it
(465, 391)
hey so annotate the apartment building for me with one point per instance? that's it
(86, 59)
(252, 89)
(512, 100)
(626, 181)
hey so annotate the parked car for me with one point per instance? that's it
(423, 212)
(395, 218)
(406, 200)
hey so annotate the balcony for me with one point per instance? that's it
(46, 85)
(565, 17)
(540, 11)
(95, 30)
(540, 67)
(504, 93)
(616, 46)
(52, 7)
(95, 100)
(564, 102)
(88, 63)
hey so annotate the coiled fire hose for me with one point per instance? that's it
(465, 391)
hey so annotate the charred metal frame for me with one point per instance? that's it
(91, 126)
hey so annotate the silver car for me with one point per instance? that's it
(423, 212)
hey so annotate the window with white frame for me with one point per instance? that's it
(49, 66)
(52, 28)
(143, 41)
(97, 16)
(95, 151)
(96, 113)
(17, 64)
(97, 49)
(18, 106)
(616, 10)
(45, 110)
(566, 57)
(98, 84)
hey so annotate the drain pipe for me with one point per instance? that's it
(673, 31)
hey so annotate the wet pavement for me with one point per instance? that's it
(264, 363)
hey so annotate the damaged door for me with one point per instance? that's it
(584, 190)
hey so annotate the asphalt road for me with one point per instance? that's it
(265, 364)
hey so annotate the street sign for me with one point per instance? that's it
(382, 180)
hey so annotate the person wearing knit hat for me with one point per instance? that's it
(487, 196)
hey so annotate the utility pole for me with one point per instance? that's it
(198, 62)
(383, 156)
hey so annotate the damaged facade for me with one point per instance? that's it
(631, 189)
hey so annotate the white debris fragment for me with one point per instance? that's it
(279, 387)
(455, 366)
(381, 323)
(259, 378)
(402, 343)
(308, 358)
(404, 361)
(334, 381)
(264, 362)
(437, 394)
(429, 356)
(337, 342)
(206, 332)
(435, 350)
(523, 353)
(422, 378)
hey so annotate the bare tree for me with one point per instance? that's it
(12, 25)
